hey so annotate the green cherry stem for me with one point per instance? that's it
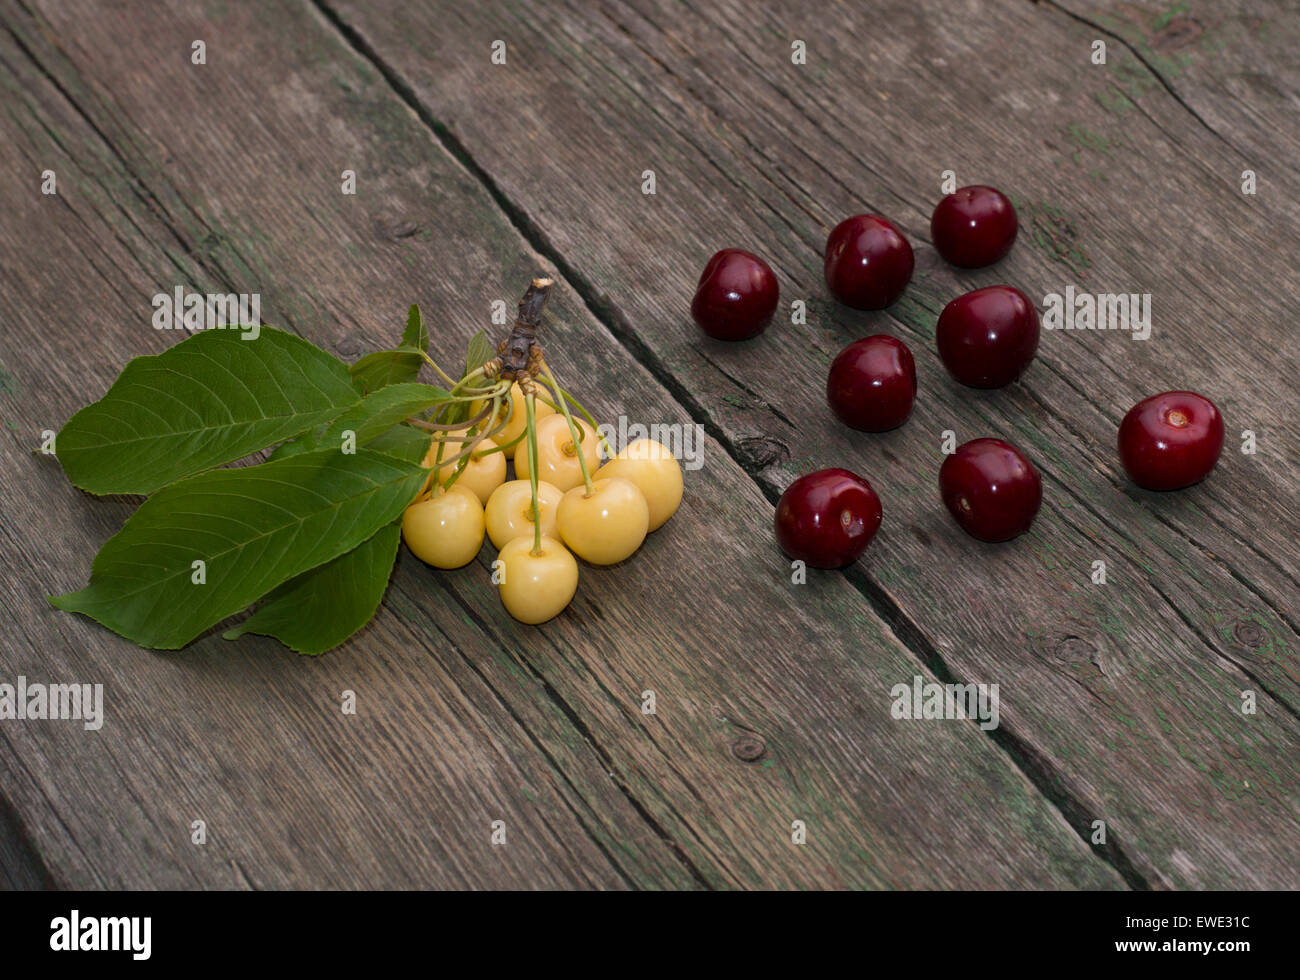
(462, 458)
(436, 427)
(573, 430)
(441, 373)
(464, 382)
(561, 394)
(543, 399)
(470, 395)
(510, 411)
(505, 445)
(530, 405)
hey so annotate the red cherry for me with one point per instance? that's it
(974, 226)
(1171, 440)
(827, 518)
(872, 383)
(987, 337)
(991, 490)
(736, 296)
(868, 262)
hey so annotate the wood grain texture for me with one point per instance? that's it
(1126, 697)
(20, 866)
(1229, 66)
(773, 700)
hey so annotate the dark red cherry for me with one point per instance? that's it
(991, 490)
(868, 262)
(827, 518)
(736, 296)
(872, 383)
(974, 226)
(1171, 440)
(987, 337)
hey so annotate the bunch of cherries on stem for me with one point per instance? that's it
(562, 502)
(985, 338)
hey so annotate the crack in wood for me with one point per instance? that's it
(557, 770)
(218, 275)
(602, 310)
(1030, 762)
(586, 733)
(1164, 83)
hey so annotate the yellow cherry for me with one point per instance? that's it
(557, 459)
(484, 472)
(608, 524)
(509, 511)
(657, 474)
(518, 418)
(445, 530)
(535, 588)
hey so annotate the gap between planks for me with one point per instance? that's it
(1034, 766)
(23, 866)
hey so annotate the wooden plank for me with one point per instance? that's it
(1128, 696)
(1231, 67)
(245, 737)
(20, 866)
(474, 717)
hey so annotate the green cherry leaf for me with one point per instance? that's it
(415, 335)
(397, 366)
(403, 441)
(479, 352)
(319, 609)
(375, 415)
(208, 547)
(304, 443)
(213, 398)
(376, 371)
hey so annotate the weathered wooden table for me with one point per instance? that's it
(1121, 703)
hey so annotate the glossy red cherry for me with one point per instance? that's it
(987, 337)
(868, 262)
(974, 226)
(827, 518)
(991, 490)
(872, 383)
(1171, 440)
(736, 296)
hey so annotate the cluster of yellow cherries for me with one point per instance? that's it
(562, 499)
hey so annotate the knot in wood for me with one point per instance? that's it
(760, 453)
(1072, 650)
(1248, 634)
(348, 346)
(1178, 33)
(750, 748)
